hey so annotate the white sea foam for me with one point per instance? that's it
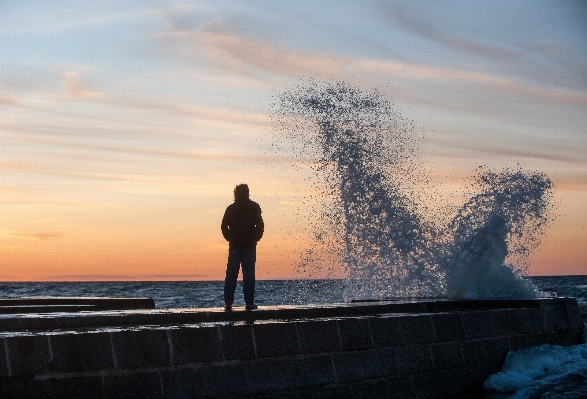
(530, 371)
(369, 229)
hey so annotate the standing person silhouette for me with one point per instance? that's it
(242, 226)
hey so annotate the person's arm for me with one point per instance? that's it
(259, 226)
(224, 226)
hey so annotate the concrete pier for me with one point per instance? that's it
(71, 304)
(394, 349)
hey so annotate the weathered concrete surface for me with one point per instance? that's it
(413, 349)
(71, 304)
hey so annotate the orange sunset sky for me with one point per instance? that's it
(125, 125)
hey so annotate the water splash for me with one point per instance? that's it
(493, 234)
(364, 155)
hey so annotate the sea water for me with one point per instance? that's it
(541, 372)
(207, 294)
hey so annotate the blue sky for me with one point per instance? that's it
(118, 112)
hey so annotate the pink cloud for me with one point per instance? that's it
(37, 235)
(75, 88)
(9, 100)
(240, 53)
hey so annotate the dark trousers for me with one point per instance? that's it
(236, 257)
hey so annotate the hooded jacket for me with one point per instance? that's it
(242, 225)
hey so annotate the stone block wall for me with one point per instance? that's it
(421, 355)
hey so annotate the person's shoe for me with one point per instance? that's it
(227, 308)
(251, 307)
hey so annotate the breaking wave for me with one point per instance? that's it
(545, 371)
(363, 161)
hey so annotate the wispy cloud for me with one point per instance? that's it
(207, 155)
(423, 22)
(42, 203)
(92, 175)
(122, 277)
(497, 84)
(151, 175)
(9, 100)
(36, 235)
(527, 55)
(556, 155)
(240, 54)
(569, 181)
(75, 88)
(42, 18)
(137, 107)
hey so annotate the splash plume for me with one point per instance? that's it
(368, 229)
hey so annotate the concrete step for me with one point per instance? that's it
(71, 304)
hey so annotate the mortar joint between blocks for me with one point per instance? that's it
(114, 359)
(338, 333)
(298, 337)
(50, 348)
(370, 333)
(7, 354)
(254, 341)
(170, 344)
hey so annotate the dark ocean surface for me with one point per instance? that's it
(202, 294)
(532, 373)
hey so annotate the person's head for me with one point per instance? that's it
(241, 192)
